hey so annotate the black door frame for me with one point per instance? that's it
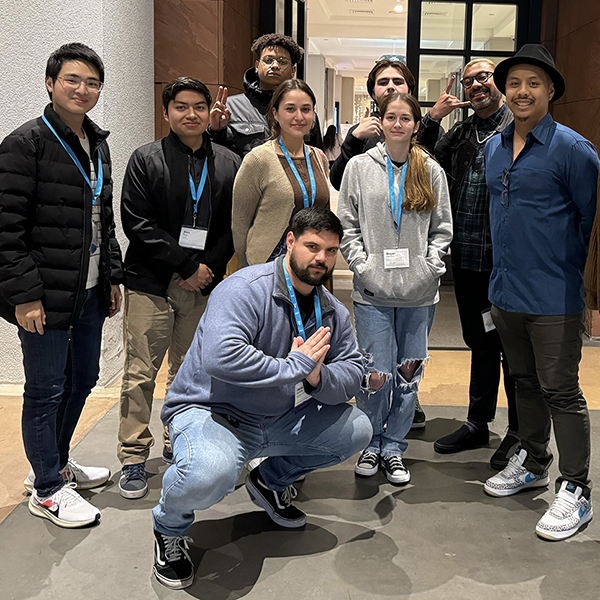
(268, 23)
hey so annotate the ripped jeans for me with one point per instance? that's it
(390, 337)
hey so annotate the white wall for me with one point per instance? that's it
(315, 77)
(123, 34)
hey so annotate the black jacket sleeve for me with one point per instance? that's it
(138, 216)
(20, 281)
(351, 147)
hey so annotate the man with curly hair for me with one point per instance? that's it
(240, 122)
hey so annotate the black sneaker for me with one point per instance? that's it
(167, 455)
(419, 420)
(277, 504)
(134, 481)
(173, 566)
(463, 438)
(367, 464)
(395, 470)
(507, 448)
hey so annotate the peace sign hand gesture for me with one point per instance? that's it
(219, 113)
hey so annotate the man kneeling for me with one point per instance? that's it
(270, 371)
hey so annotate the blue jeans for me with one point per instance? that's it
(210, 451)
(390, 337)
(61, 368)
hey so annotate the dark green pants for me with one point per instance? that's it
(543, 353)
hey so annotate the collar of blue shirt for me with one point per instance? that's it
(540, 132)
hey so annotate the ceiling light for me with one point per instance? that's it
(398, 8)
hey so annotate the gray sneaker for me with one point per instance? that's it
(134, 481)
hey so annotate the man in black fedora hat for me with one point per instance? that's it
(542, 178)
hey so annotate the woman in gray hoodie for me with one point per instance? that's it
(395, 210)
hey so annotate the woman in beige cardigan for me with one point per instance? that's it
(279, 178)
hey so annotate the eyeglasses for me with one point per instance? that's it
(391, 58)
(72, 81)
(269, 60)
(504, 197)
(481, 77)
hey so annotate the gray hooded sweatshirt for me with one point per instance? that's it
(365, 211)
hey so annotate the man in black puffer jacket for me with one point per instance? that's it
(60, 266)
(240, 123)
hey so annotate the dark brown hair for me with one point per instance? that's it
(401, 67)
(286, 86)
(418, 194)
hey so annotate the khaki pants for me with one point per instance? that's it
(151, 326)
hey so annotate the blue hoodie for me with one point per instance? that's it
(240, 361)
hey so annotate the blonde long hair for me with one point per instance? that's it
(418, 194)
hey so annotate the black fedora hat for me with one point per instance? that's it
(531, 54)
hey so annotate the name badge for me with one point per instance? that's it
(396, 258)
(191, 237)
(300, 395)
(488, 324)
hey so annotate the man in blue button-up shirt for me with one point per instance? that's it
(542, 178)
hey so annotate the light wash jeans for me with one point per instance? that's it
(210, 451)
(388, 337)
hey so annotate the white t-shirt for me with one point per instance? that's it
(94, 269)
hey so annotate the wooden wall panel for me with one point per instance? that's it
(206, 39)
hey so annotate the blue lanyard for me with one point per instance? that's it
(99, 173)
(311, 176)
(197, 192)
(297, 314)
(396, 210)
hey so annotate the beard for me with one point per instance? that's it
(486, 101)
(305, 276)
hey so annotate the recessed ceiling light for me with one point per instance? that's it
(398, 8)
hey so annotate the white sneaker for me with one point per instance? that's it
(514, 478)
(65, 508)
(85, 478)
(568, 513)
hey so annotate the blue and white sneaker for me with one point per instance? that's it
(514, 478)
(569, 512)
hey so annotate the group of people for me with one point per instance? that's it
(232, 246)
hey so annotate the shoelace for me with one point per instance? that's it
(513, 469)
(67, 496)
(135, 471)
(173, 549)
(395, 463)
(563, 506)
(288, 495)
(369, 457)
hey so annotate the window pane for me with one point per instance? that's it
(443, 25)
(494, 27)
(434, 74)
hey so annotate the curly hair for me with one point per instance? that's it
(276, 39)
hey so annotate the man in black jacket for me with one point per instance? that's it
(460, 152)
(60, 266)
(240, 122)
(176, 212)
